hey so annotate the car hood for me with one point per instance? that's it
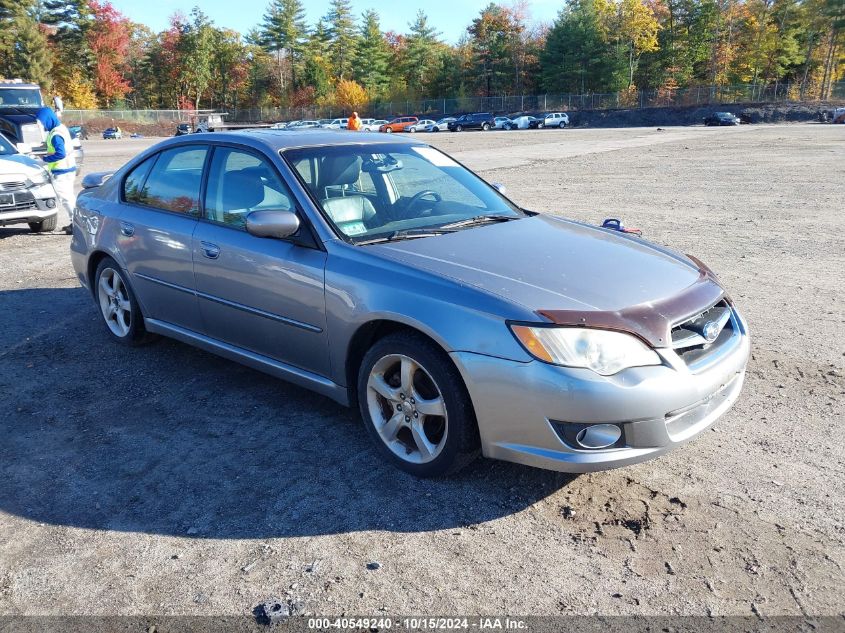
(19, 164)
(549, 264)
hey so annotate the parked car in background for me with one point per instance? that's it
(336, 124)
(182, 129)
(521, 122)
(721, 118)
(27, 195)
(112, 133)
(556, 119)
(442, 125)
(477, 121)
(420, 126)
(501, 122)
(78, 131)
(455, 321)
(325, 122)
(307, 124)
(281, 125)
(373, 126)
(398, 124)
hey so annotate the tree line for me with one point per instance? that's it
(94, 56)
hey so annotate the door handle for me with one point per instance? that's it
(212, 251)
(127, 229)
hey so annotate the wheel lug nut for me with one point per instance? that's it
(398, 407)
(416, 415)
(413, 401)
(407, 419)
(402, 395)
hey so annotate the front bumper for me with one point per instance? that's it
(35, 204)
(530, 413)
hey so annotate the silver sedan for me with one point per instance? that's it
(381, 273)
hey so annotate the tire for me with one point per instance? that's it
(435, 129)
(424, 445)
(562, 125)
(485, 127)
(459, 128)
(48, 224)
(388, 131)
(540, 126)
(118, 305)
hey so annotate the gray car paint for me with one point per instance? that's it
(449, 287)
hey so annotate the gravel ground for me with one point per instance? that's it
(163, 480)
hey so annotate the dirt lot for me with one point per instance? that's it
(163, 480)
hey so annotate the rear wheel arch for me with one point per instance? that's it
(93, 262)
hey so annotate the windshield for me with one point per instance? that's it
(6, 147)
(372, 191)
(20, 97)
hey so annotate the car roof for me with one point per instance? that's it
(276, 140)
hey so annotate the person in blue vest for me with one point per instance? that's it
(61, 164)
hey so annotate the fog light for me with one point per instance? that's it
(598, 436)
(51, 203)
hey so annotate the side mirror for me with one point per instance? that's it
(24, 148)
(278, 224)
(500, 187)
(96, 179)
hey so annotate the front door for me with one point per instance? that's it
(264, 295)
(157, 222)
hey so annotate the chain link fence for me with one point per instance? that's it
(504, 104)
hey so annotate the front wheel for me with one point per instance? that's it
(459, 128)
(540, 126)
(415, 406)
(118, 305)
(388, 131)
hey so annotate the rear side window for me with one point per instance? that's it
(174, 181)
(133, 186)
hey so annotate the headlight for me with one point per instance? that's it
(41, 178)
(603, 351)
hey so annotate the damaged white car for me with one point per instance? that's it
(27, 195)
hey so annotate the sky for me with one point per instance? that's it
(450, 17)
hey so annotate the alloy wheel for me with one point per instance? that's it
(114, 302)
(407, 408)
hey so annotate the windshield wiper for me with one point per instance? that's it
(406, 234)
(478, 219)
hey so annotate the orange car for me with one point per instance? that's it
(398, 124)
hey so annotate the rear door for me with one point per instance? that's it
(264, 295)
(157, 221)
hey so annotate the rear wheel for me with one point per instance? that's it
(118, 305)
(562, 125)
(48, 224)
(485, 127)
(415, 407)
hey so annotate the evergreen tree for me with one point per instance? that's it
(342, 38)
(577, 57)
(421, 52)
(282, 33)
(29, 58)
(72, 20)
(372, 60)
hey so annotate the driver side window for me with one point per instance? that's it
(240, 182)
